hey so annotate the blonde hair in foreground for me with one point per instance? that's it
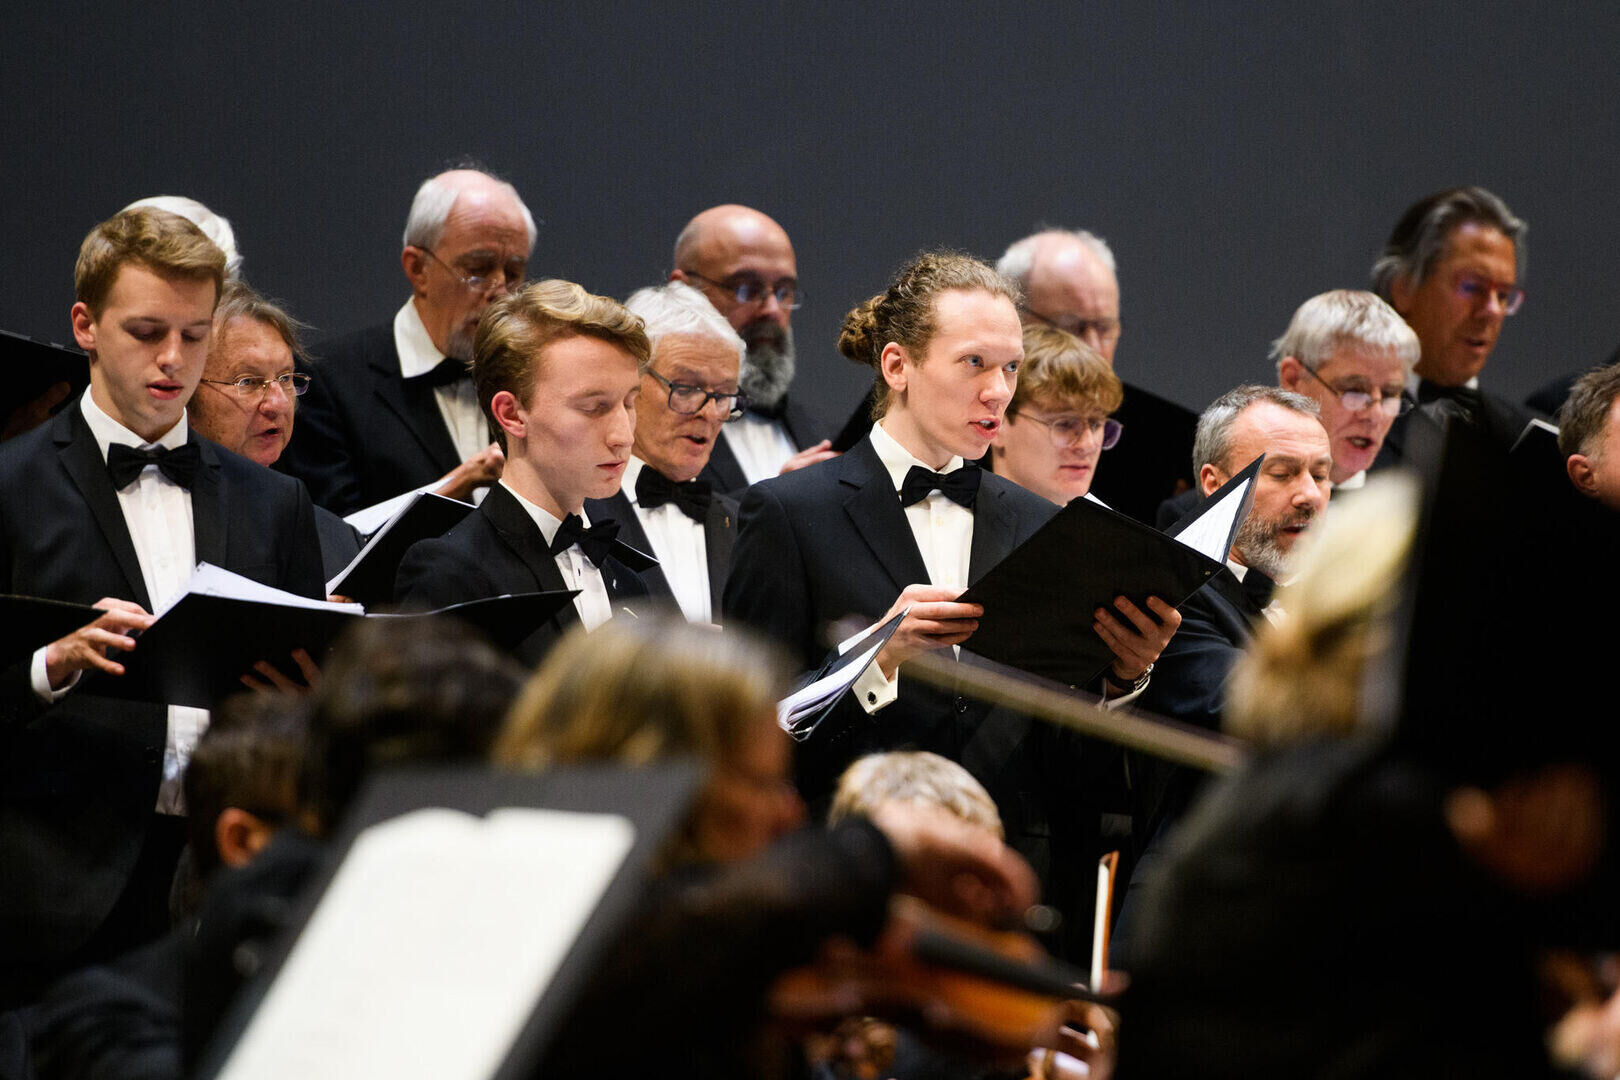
(1303, 676)
(913, 776)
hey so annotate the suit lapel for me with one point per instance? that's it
(719, 533)
(82, 459)
(413, 401)
(874, 508)
(518, 532)
(995, 529)
(797, 423)
(723, 471)
(209, 506)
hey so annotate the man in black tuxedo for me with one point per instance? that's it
(688, 391)
(1451, 268)
(393, 407)
(743, 262)
(113, 502)
(1189, 681)
(558, 371)
(1069, 282)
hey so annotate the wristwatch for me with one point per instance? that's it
(1132, 687)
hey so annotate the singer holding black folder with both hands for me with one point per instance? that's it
(903, 520)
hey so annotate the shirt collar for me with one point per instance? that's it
(1414, 379)
(543, 518)
(899, 461)
(1352, 483)
(109, 432)
(1237, 568)
(417, 353)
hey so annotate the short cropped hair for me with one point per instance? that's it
(216, 227)
(904, 312)
(913, 776)
(677, 309)
(249, 758)
(1212, 443)
(517, 327)
(240, 301)
(1420, 237)
(434, 200)
(1018, 261)
(166, 244)
(1585, 412)
(1061, 370)
(1330, 321)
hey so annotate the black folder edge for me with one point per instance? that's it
(28, 622)
(881, 635)
(425, 517)
(1250, 472)
(654, 798)
(191, 677)
(33, 367)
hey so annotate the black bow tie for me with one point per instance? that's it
(960, 486)
(597, 542)
(124, 463)
(1455, 399)
(1259, 586)
(654, 489)
(446, 372)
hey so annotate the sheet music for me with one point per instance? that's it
(374, 517)
(805, 702)
(1209, 534)
(432, 946)
(211, 580)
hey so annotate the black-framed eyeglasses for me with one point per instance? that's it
(1476, 290)
(689, 400)
(1104, 329)
(292, 383)
(482, 276)
(1065, 431)
(1357, 400)
(749, 288)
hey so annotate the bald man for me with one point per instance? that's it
(743, 262)
(1070, 282)
(392, 408)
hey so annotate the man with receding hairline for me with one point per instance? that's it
(393, 408)
(743, 262)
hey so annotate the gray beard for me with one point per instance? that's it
(460, 346)
(1257, 546)
(767, 370)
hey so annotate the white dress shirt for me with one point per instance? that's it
(458, 403)
(157, 512)
(761, 446)
(680, 546)
(578, 572)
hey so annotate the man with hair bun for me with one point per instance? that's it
(558, 371)
(395, 408)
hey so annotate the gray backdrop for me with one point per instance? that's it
(1239, 158)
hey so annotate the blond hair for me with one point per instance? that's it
(1306, 674)
(1064, 372)
(905, 313)
(913, 776)
(165, 243)
(516, 328)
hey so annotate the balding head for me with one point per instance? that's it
(1069, 281)
(730, 252)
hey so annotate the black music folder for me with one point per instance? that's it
(200, 646)
(1039, 601)
(32, 367)
(27, 622)
(803, 710)
(459, 915)
(369, 578)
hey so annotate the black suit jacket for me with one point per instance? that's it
(724, 473)
(340, 542)
(832, 540)
(1501, 420)
(80, 778)
(495, 551)
(365, 433)
(719, 534)
(1154, 456)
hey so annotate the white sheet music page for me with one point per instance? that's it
(1210, 534)
(431, 947)
(211, 580)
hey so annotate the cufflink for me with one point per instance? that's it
(871, 697)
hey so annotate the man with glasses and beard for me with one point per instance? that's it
(743, 262)
(394, 407)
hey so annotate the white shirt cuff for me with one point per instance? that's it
(1124, 699)
(41, 680)
(873, 691)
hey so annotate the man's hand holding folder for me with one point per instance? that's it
(86, 648)
(934, 621)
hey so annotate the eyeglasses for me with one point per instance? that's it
(689, 400)
(292, 383)
(751, 289)
(482, 275)
(1476, 290)
(1065, 431)
(1104, 329)
(1357, 400)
